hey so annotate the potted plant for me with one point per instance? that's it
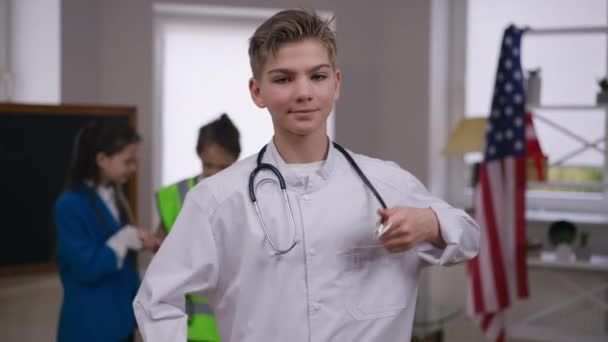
(533, 85)
(602, 96)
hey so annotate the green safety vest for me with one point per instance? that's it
(201, 323)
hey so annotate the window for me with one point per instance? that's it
(30, 51)
(567, 117)
(202, 70)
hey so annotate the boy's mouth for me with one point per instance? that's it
(301, 111)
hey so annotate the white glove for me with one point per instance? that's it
(123, 240)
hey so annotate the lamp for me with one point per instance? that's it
(469, 136)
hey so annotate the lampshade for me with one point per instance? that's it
(469, 136)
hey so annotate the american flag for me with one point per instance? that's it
(498, 275)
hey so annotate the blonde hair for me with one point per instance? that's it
(289, 26)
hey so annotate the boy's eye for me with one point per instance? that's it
(281, 80)
(318, 77)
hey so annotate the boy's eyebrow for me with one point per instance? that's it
(289, 71)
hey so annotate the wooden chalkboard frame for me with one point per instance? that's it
(68, 109)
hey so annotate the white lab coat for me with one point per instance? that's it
(337, 284)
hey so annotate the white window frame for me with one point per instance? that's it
(166, 13)
(541, 205)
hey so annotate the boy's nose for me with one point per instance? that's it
(303, 91)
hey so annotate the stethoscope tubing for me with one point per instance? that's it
(265, 166)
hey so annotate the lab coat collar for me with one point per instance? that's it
(273, 157)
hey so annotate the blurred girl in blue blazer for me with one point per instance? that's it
(96, 242)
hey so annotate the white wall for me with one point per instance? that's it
(383, 51)
(35, 56)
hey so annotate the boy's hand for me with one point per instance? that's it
(410, 226)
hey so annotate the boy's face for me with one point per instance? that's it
(299, 86)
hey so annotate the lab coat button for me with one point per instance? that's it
(312, 251)
(306, 197)
(316, 306)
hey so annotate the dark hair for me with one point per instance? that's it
(222, 132)
(108, 136)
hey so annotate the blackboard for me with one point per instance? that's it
(35, 146)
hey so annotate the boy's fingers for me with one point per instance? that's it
(392, 233)
(395, 233)
(383, 214)
(386, 215)
(388, 211)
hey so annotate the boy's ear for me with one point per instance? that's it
(338, 84)
(255, 91)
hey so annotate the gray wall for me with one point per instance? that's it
(107, 49)
(80, 51)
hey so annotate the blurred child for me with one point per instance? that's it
(96, 242)
(217, 148)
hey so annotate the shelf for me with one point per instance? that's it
(566, 30)
(568, 107)
(594, 186)
(577, 217)
(597, 263)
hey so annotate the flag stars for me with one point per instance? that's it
(508, 41)
(518, 98)
(496, 114)
(508, 63)
(502, 100)
(508, 87)
(519, 145)
(508, 110)
(519, 122)
(509, 134)
(515, 52)
(517, 75)
(498, 136)
(491, 150)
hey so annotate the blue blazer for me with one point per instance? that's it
(97, 295)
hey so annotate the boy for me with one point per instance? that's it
(304, 264)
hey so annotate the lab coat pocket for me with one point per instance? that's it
(378, 283)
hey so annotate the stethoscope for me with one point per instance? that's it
(265, 166)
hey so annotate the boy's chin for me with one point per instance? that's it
(305, 131)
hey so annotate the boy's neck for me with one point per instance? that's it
(301, 150)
